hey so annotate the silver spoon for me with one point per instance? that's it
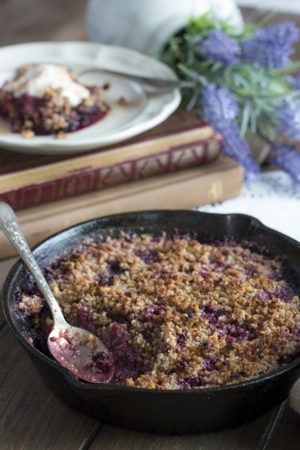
(163, 84)
(74, 348)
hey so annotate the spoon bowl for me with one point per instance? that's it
(83, 353)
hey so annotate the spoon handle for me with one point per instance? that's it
(10, 227)
(158, 83)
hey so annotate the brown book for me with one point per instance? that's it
(182, 141)
(188, 188)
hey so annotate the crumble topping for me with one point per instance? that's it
(175, 313)
(49, 99)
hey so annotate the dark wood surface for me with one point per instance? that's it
(41, 20)
(31, 417)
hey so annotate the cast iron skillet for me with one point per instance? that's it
(165, 411)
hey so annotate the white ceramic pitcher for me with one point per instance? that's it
(145, 25)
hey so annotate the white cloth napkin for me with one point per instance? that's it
(274, 200)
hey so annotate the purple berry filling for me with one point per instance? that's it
(117, 341)
(104, 362)
(181, 340)
(153, 313)
(148, 256)
(19, 110)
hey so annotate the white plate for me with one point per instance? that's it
(142, 111)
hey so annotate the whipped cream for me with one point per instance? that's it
(35, 79)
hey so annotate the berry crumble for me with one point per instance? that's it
(46, 99)
(173, 312)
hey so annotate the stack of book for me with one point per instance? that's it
(175, 165)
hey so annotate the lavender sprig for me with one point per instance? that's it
(241, 81)
(237, 148)
(220, 47)
(297, 81)
(220, 109)
(271, 46)
(219, 104)
(287, 158)
(289, 119)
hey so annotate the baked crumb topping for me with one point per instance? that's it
(49, 99)
(175, 313)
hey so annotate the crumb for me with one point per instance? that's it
(106, 85)
(27, 134)
(122, 101)
(177, 313)
(61, 135)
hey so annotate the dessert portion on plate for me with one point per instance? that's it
(173, 312)
(43, 99)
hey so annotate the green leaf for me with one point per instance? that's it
(259, 91)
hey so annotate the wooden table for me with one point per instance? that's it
(31, 417)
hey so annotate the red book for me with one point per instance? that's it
(183, 189)
(180, 142)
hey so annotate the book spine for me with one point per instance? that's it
(179, 190)
(97, 178)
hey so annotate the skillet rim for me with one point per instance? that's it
(115, 388)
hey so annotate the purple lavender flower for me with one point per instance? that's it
(220, 109)
(297, 81)
(288, 158)
(270, 46)
(237, 148)
(220, 47)
(289, 119)
(219, 104)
